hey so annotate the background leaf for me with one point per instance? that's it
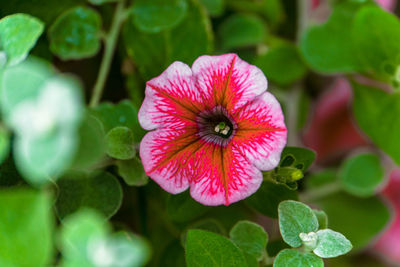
(294, 258)
(208, 249)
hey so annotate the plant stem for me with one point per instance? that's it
(110, 41)
(317, 193)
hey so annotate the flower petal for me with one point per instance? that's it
(223, 176)
(164, 154)
(261, 133)
(227, 80)
(171, 99)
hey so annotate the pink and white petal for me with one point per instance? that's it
(261, 134)
(227, 80)
(171, 99)
(224, 176)
(165, 156)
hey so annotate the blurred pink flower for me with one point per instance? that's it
(332, 132)
(389, 243)
(213, 128)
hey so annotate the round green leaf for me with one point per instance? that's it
(296, 218)
(100, 191)
(241, 30)
(121, 114)
(18, 34)
(331, 244)
(360, 175)
(120, 143)
(322, 218)
(268, 197)
(340, 207)
(295, 258)
(250, 237)
(209, 249)
(26, 228)
(282, 64)
(132, 172)
(157, 15)
(76, 34)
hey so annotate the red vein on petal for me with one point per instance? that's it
(160, 91)
(227, 81)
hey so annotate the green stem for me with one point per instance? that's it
(110, 41)
(318, 193)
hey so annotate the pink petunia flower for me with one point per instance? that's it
(214, 127)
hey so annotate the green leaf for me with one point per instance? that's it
(322, 218)
(100, 191)
(22, 82)
(376, 35)
(26, 228)
(86, 241)
(156, 15)
(361, 175)
(76, 34)
(282, 64)
(132, 172)
(18, 35)
(4, 144)
(331, 244)
(298, 157)
(91, 148)
(295, 218)
(295, 258)
(323, 177)
(209, 225)
(121, 114)
(241, 31)
(182, 207)
(268, 197)
(376, 113)
(120, 143)
(46, 129)
(340, 207)
(323, 46)
(156, 51)
(214, 7)
(208, 249)
(250, 237)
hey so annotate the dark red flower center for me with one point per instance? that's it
(216, 126)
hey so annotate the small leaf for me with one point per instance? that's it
(120, 143)
(322, 218)
(182, 207)
(282, 64)
(296, 218)
(376, 112)
(76, 34)
(121, 114)
(323, 47)
(298, 157)
(241, 30)
(132, 172)
(156, 15)
(91, 148)
(331, 244)
(208, 249)
(250, 237)
(268, 197)
(340, 207)
(295, 258)
(26, 228)
(100, 191)
(361, 175)
(18, 35)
